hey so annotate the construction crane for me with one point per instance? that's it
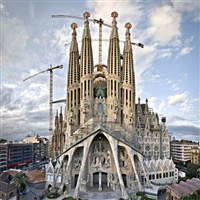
(98, 21)
(50, 95)
(133, 43)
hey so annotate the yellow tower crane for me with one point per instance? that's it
(50, 69)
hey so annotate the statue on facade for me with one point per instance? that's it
(131, 119)
(71, 117)
(77, 164)
(115, 104)
(85, 106)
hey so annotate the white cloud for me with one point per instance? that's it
(36, 40)
(3, 10)
(32, 10)
(164, 53)
(164, 24)
(140, 90)
(148, 55)
(103, 9)
(14, 42)
(186, 106)
(1, 6)
(128, 11)
(175, 87)
(190, 7)
(185, 50)
(178, 98)
(151, 102)
(9, 85)
(161, 106)
(60, 39)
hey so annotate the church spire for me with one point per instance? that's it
(73, 84)
(128, 81)
(86, 79)
(73, 70)
(86, 49)
(114, 72)
(114, 67)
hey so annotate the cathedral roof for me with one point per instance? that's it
(106, 130)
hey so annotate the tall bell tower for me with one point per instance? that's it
(86, 76)
(72, 114)
(114, 74)
(128, 84)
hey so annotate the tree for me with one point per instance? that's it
(192, 170)
(19, 182)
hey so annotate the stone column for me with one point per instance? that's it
(86, 145)
(145, 175)
(100, 181)
(131, 154)
(69, 165)
(114, 147)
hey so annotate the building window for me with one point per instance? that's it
(10, 195)
(100, 108)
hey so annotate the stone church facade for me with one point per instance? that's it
(105, 139)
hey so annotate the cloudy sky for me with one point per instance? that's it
(167, 68)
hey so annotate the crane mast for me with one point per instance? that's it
(50, 69)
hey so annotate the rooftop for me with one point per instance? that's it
(185, 188)
(36, 176)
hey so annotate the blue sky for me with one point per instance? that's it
(167, 68)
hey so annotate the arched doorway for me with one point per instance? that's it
(100, 180)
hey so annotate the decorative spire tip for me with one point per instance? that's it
(86, 15)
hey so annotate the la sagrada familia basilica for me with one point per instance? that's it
(104, 138)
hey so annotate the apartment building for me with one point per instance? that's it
(181, 151)
(196, 155)
(19, 154)
(40, 147)
(3, 157)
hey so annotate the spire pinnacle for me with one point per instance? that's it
(74, 26)
(86, 15)
(114, 15)
(128, 26)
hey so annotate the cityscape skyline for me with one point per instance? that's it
(166, 69)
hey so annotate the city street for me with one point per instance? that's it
(32, 194)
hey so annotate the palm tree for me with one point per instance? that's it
(19, 182)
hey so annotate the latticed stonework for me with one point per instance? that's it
(105, 139)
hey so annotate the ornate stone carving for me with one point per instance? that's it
(115, 105)
(138, 122)
(100, 101)
(123, 157)
(101, 159)
(77, 159)
(71, 117)
(100, 155)
(114, 183)
(131, 119)
(85, 106)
